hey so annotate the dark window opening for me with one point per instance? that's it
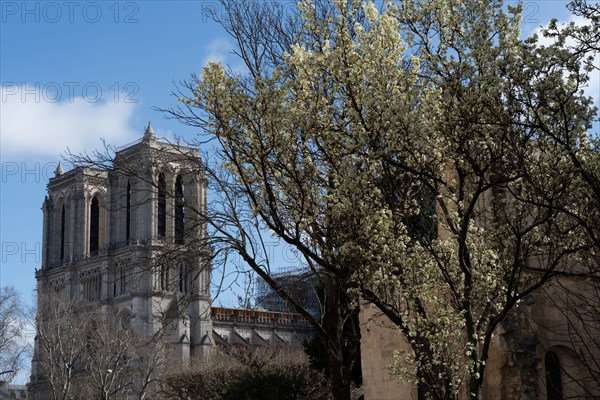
(164, 277)
(162, 207)
(179, 211)
(94, 226)
(423, 226)
(124, 282)
(183, 279)
(128, 212)
(554, 388)
(400, 190)
(62, 234)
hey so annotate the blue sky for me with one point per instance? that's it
(72, 72)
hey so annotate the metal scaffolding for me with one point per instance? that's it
(301, 284)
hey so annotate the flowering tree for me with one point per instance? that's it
(409, 153)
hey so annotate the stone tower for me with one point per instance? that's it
(127, 239)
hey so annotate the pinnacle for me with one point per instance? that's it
(59, 170)
(149, 134)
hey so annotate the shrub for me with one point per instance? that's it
(249, 376)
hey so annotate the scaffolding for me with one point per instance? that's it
(301, 284)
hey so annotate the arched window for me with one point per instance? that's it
(120, 282)
(554, 388)
(179, 211)
(164, 277)
(123, 281)
(62, 233)
(116, 270)
(128, 213)
(162, 207)
(183, 278)
(94, 226)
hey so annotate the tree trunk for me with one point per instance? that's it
(340, 384)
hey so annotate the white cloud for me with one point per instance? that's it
(220, 49)
(33, 122)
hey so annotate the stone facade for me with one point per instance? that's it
(543, 337)
(12, 392)
(125, 241)
(543, 327)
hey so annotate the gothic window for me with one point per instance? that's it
(399, 190)
(179, 211)
(164, 277)
(128, 213)
(423, 226)
(554, 388)
(183, 279)
(123, 280)
(98, 282)
(120, 281)
(94, 226)
(91, 286)
(62, 233)
(162, 207)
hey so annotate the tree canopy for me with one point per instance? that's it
(417, 154)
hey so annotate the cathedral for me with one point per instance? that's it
(125, 238)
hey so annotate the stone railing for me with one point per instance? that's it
(259, 317)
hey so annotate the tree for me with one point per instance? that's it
(582, 40)
(574, 304)
(84, 352)
(120, 361)
(401, 151)
(109, 355)
(61, 343)
(13, 349)
(575, 294)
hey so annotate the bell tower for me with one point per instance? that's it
(74, 216)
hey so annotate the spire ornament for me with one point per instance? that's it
(59, 170)
(149, 134)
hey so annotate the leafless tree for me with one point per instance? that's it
(84, 352)
(13, 348)
(60, 345)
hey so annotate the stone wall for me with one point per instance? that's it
(379, 341)
(549, 320)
